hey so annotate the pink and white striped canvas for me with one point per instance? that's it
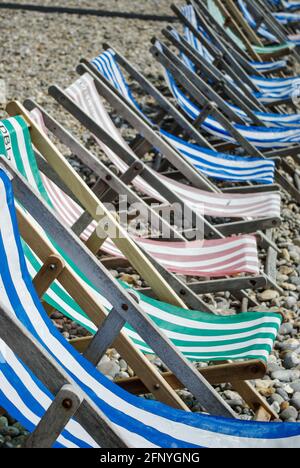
(259, 205)
(214, 258)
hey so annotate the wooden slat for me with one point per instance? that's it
(54, 421)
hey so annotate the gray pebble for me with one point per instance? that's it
(295, 401)
(289, 414)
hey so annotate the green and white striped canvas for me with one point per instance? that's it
(199, 336)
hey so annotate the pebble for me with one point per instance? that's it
(291, 360)
(295, 401)
(289, 414)
(268, 295)
(286, 375)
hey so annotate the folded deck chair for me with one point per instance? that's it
(265, 94)
(267, 118)
(123, 419)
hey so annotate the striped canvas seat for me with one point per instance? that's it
(212, 204)
(269, 118)
(260, 137)
(260, 50)
(57, 297)
(140, 423)
(262, 30)
(218, 258)
(211, 163)
(266, 95)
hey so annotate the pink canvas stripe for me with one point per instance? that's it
(85, 94)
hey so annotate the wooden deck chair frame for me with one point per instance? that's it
(70, 402)
(226, 59)
(262, 14)
(125, 310)
(115, 186)
(125, 107)
(126, 110)
(230, 22)
(235, 66)
(150, 135)
(212, 73)
(201, 6)
(236, 29)
(169, 61)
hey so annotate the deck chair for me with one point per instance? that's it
(197, 62)
(47, 370)
(102, 121)
(244, 135)
(265, 92)
(284, 5)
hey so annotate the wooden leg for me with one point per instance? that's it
(50, 271)
(63, 408)
(255, 401)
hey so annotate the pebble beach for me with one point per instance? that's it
(39, 50)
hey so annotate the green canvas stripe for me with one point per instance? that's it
(14, 147)
(272, 49)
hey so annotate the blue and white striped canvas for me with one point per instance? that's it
(140, 423)
(262, 30)
(269, 118)
(211, 163)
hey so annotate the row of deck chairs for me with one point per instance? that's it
(226, 178)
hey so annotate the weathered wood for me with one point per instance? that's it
(50, 271)
(105, 337)
(56, 418)
(215, 375)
